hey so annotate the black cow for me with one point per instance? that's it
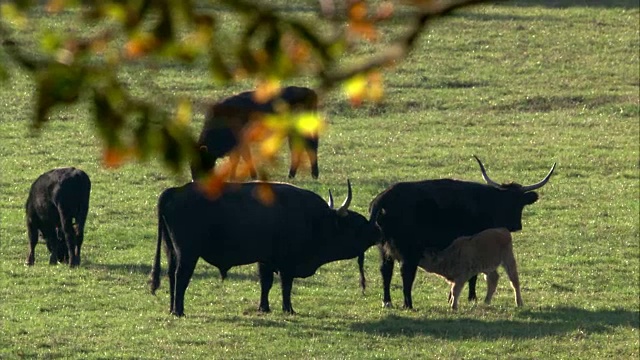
(57, 209)
(428, 215)
(293, 235)
(227, 119)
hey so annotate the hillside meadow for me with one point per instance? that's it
(522, 85)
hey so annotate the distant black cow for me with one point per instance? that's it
(57, 209)
(293, 235)
(428, 215)
(227, 119)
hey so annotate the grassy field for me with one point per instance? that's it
(521, 85)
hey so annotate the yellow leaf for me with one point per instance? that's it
(116, 12)
(355, 88)
(270, 146)
(309, 123)
(183, 114)
(11, 13)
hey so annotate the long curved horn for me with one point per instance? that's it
(342, 211)
(330, 202)
(484, 174)
(541, 183)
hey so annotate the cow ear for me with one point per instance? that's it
(530, 198)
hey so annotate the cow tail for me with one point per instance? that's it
(154, 278)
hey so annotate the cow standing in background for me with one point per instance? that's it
(57, 208)
(227, 119)
(428, 215)
(293, 234)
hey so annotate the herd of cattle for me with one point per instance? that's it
(456, 229)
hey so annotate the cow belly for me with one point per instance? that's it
(236, 252)
(230, 259)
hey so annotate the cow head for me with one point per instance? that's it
(354, 229)
(513, 199)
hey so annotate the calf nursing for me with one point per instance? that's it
(467, 256)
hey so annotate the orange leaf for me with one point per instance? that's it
(113, 157)
(375, 88)
(266, 90)
(357, 11)
(216, 181)
(265, 194)
(365, 29)
(54, 6)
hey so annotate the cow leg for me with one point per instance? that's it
(184, 270)
(171, 272)
(408, 271)
(234, 159)
(32, 231)
(492, 284)
(246, 154)
(296, 153)
(55, 244)
(286, 281)
(472, 288)
(266, 281)
(60, 247)
(386, 270)
(69, 238)
(512, 272)
(456, 289)
(79, 233)
(78, 228)
(313, 160)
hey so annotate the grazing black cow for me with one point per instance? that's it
(226, 120)
(57, 209)
(428, 215)
(293, 235)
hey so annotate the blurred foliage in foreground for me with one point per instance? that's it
(272, 48)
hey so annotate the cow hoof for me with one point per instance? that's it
(177, 314)
(387, 305)
(264, 309)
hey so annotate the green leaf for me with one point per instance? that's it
(57, 83)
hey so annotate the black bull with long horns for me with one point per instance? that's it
(430, 214)
(293, 234)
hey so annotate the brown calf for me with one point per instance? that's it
(467, 256)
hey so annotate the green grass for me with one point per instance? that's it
(521, 87)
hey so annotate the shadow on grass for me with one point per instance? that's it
(552, 103)
(145, 269)
(534, 324)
